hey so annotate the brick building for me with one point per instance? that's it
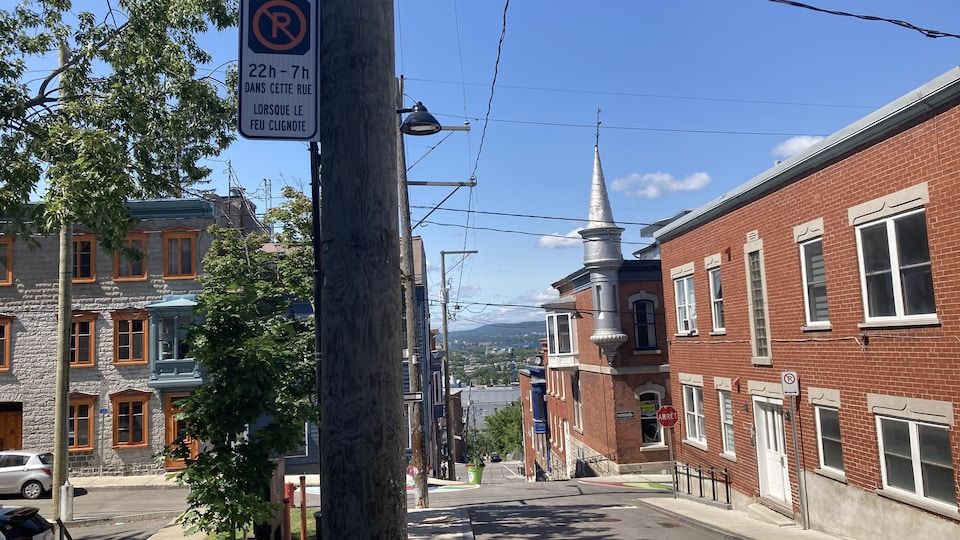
(606, 370)
(129, 360)
(837, 264)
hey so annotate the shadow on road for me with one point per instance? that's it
(578, 521)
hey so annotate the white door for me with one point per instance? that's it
(771, 450)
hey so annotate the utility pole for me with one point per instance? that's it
(64, 326)
(444, 299)
(361, 466)
(421, 495)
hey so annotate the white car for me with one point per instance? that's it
(24, 523)
(25, 472)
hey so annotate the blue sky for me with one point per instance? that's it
(823, 71)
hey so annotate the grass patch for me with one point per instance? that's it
(294, 527)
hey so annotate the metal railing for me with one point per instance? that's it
(63, 533)
(695, 478)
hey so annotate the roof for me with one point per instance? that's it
(174, 302)
(875, 127)
(600, 213)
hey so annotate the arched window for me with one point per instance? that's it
(645, 325)
(650, 429)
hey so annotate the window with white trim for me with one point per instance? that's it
(716, 300)
(693, 414)
(577, 404)
(828, 438)
(726, 422)
(758, 304)
(645, 325)
(814, 282)
(649, 427)
(915, 459)
(895, 269)
(686, 305)
(560, 333)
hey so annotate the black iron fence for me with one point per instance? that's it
(703, 482)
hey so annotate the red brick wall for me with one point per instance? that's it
(912, 362)
(529, 453)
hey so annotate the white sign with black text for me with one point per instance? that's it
(790, 382)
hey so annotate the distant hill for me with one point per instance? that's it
(518, 335)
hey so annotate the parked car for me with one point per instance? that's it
(24, 523)
(25, 472)
(495, 457)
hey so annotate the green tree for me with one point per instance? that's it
(257, 357)
(505, 429)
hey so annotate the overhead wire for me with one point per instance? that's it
(532, 216)
(527, 233)
(927, 32)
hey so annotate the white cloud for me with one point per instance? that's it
(558, 240)
(795, 145)
(652, 185)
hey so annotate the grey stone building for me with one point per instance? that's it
(129, 359)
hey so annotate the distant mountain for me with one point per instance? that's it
(524, 334)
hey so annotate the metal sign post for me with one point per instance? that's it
(667, 417)
(279, 69)
(791, 387)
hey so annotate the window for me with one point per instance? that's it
(896, 277)
(560, 333)
(814, 282)
(645, 325)
(716, 300)
(649, 427)
(84, 258)
(577, 405)
(130, 337)
(758, 305)
(130, 418)
(180, 254)
(828, 438)
(173, 342)
(916, 458)
(6, 260)
(127, 268)
(686, 305)
(726, 422)
(5, 338)
(693, 410)
(80, 422)
(83, 340)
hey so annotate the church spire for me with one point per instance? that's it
(600, 214)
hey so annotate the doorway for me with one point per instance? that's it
(176, 428)
(11, 426)
(771, 450)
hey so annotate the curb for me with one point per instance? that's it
(724, 533)
(151, 516)
(128, 488)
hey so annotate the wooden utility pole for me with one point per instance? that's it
(361, 465)
(421, 495)
(61, 397)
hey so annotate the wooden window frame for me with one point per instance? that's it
(6, 244)
(5, 347)
(119, 259)
(173, 234)
(79, 398)
(130, 396)
(85, 237)
(129, 316)
(78, 317)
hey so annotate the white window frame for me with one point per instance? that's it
(823, 464)
(577, 402)
(728, 449)
(553, 347)
(698, 433)
(685, 282)
(749, 248)
(662, 442)
(714, 300)
(806, 290)
(894, 271)
(915, 460)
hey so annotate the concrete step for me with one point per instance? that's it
(762, 513)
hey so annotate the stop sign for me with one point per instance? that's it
(667, 416)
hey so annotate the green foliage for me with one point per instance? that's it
(258, 362)
(126, 117)
(478, 444)
(505, 429)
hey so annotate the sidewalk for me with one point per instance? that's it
(157, 481)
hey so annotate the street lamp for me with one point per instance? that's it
(419, 121)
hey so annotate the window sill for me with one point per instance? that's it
(719, 332)
(174, 278)
(729, 457)
(761, 360)
(6, 283)
(687, 334)
(79, 450)
(121, 363)
(130, 446)
(695, 444)
(943, 509)
(125, 279)
(900, 323)
(817, 327)
(82, 366)
(81, 281)
(832, 474)
(653, 448)
(647, 351)
(578, 429)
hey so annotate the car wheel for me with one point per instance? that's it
(32, 490)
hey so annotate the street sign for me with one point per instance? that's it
(412, 396)
(279, 66)
(667, 416)
(104, 410)
(790, 382)
(624, 414)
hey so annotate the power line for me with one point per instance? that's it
(534, 216)
(528, 233)
(493, 86)
(429, 150)
(434, 209)
(928, 32)
(654, 96)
